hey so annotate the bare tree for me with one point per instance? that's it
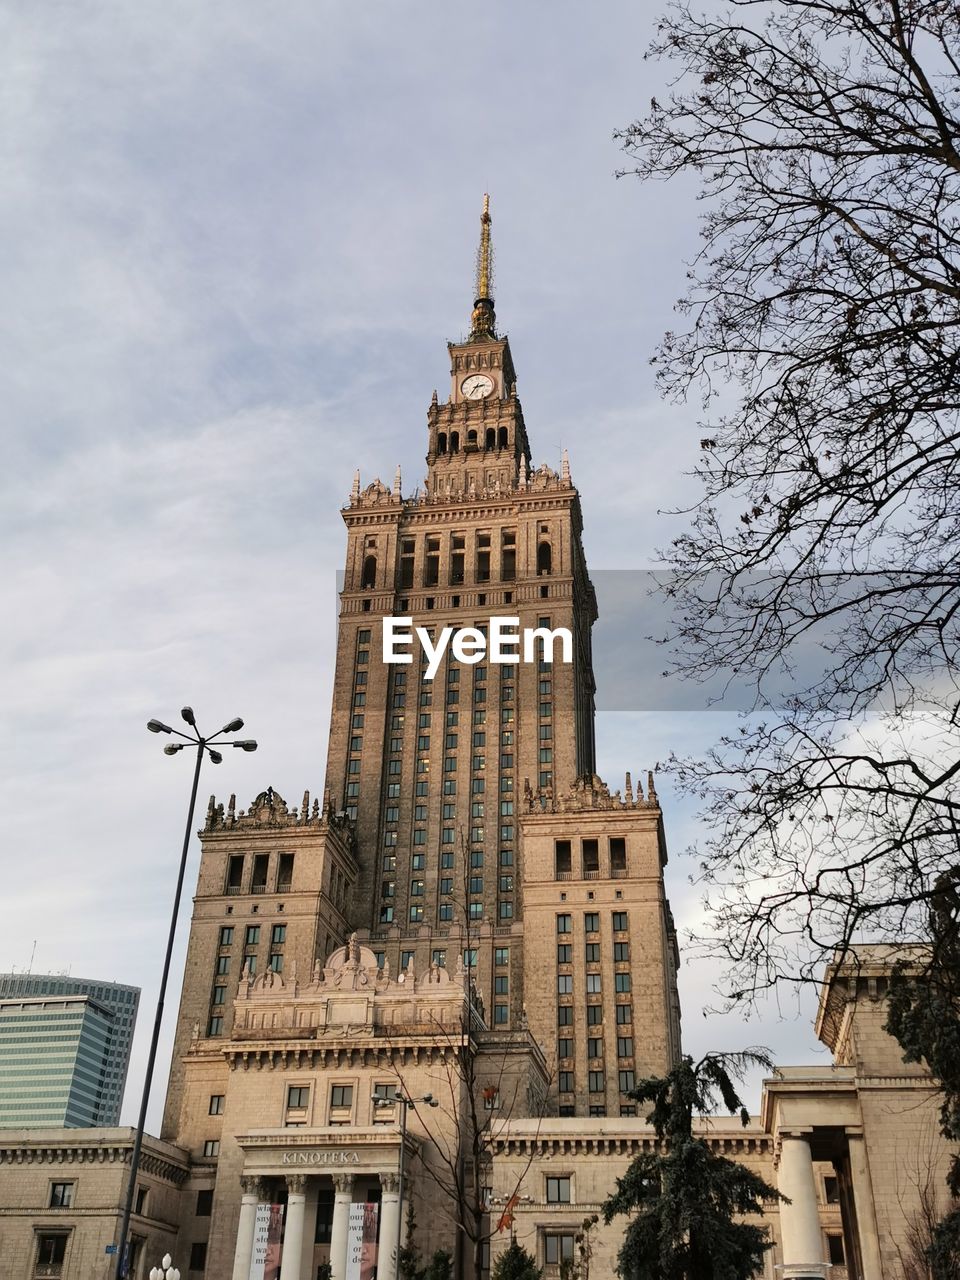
(820, 561)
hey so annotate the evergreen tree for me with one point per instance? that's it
(924, 1018)
(408, 1259)
(516, 1264)
(440, 1266)
(684, 1201)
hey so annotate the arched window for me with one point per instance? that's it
(369, 578)
(544, 558)
(472, 438)
(454, 441)
(442, 442)
(491, 438)
(502, 442)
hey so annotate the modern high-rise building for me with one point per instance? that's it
(114, 1002)
(64, 1049)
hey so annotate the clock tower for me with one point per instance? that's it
(433, 770)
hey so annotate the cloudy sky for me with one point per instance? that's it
(236, 238)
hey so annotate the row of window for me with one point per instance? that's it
(596, 1081)
(621, 983)
(591, 922)
(259, 881)
(591, 952)
(616, 861)
(565, 1047)
(251, 936)
(456, 560)
(624, 1015)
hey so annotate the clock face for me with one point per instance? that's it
(477, 387)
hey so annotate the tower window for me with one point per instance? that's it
(491, 438)
(483, 557)
(406, 562)
(508, 563)
(442, 442)
(369, 578)
(454, 441)
(431, 575)
(591, 857)
(502, 441)
(562, 857)
(544, 558)
(235, 873)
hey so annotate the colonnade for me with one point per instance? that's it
(292, 1259)
(800, 1234)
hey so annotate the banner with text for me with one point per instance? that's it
(362, 1241)
(267, 1232)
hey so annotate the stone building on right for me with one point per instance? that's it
(863, 1132)
(855, 1146)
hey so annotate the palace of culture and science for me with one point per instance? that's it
(463, 865)
(465, 913)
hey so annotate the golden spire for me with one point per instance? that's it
(483, 320)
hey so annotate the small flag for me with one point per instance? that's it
(506, 1218)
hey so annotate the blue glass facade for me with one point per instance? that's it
(64, 1049)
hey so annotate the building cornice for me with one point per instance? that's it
(23, 1147)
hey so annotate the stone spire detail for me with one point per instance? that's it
(355, 491)
(396, 482)
(565, 468)
(483, 322)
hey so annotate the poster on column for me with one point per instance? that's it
(267, 1232)
(362, 1242)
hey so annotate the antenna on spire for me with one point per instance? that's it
(483, 321)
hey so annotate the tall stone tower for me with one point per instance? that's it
(432, 770)
(462, 827)
(437, 773)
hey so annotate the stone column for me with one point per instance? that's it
(343, 1198)
(389, 1226)
(866, 1224)
(293, 1233)
(799, 1220)
(252, 1188)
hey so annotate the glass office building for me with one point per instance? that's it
(64, 1050)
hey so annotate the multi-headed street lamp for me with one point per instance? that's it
(166, 1270)
(204, 746)
(405, 1104)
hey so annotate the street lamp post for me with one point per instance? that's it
(406, 1104)
(208, 745)
(166, 1270)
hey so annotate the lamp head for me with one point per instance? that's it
(427, 1097)
(157, 726)
(172, 748)
(233, 727)
(216, 757)
(246, 744)
(187, 713)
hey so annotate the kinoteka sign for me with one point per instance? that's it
(507, 643)
(320, 1157)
